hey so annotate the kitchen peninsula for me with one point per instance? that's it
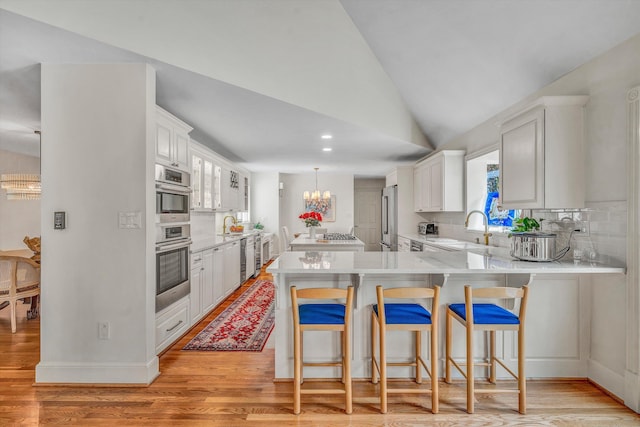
(558, 305)
(305, 243)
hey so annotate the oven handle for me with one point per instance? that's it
(176, 245)
(174, 188)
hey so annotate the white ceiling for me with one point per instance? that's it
(455, 64)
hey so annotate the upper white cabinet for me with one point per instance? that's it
(172, 140)
(215, 184)
(437, 182)
(541, 155)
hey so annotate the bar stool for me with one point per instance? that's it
(405, 317)
(322, 317)
(492, 318)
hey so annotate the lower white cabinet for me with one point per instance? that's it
(231, 267)
(171, 323)
(404, 244)
(202, 284)
(218, 275)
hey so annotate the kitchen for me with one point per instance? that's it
(606, 189)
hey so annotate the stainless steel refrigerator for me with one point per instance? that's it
(389, 241)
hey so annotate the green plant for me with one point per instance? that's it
(525, 224)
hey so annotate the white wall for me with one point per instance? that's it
(18, 218)
(265, 200)
(97, 160)
(606, 80)
(292, 203)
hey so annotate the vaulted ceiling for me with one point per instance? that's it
(261, 81)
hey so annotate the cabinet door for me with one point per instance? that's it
(207, 184)
(435, 172)
(522, 161)
(417, 190)
(232, 266)
(181, 150)
(217, 190)
(251, 258)
(196, 182)
(163, 143)
(225, 188)
(196, 289)
(207, 291)
(218, 275)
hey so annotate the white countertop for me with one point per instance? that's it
(483, 260)
(207, 241)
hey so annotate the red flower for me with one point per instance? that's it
(311, 219)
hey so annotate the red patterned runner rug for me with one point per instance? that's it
(243, 326)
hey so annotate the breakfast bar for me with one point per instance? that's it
(557, 310)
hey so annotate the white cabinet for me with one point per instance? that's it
(172, 140)
(250, 253)
(202, 294)
(230, 192)
(404, 244)
(171, 323)
(205, 182)
(437, 182)
(218, 275)
(541, 155)
(231, 267)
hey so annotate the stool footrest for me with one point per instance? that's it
(322, 364)
(496, 390)
(409, 390)
(321, 391)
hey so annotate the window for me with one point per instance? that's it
(483, 175)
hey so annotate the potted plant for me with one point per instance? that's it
(525, 225)
(311, 220)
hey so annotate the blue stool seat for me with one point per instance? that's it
(487, 314)
(405, 314)
(321, 314)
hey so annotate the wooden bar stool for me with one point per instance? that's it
(405, 317)
(322, 317)
(492, 318)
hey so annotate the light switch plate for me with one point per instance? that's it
(130, 220)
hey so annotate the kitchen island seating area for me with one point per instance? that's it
(491, 318)
(322, 316)
(403, 316)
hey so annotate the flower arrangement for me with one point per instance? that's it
(311, 219)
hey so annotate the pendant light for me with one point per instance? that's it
(22, 186)
(315, 195)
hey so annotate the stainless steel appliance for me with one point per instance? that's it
(243, 259)
(416, 246)
(536, 246)
(389, 241)
(173, 195)
(258, 254)
(171, 232)
(172, 272)
(427, 228)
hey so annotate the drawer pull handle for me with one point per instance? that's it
(175, 326)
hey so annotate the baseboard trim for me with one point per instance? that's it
(609, 381)
(141, 374)
(632, 391)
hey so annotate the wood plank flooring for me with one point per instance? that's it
(237, 389)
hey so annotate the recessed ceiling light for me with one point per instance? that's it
(326, 136)
(327, 149)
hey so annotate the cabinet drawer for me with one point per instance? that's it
(171, 323)
(196, 260)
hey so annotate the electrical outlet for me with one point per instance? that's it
(104, 330)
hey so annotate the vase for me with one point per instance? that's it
(312, 232)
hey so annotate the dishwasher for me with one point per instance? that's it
(243, 260)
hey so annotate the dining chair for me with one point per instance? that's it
(19, 279)
(488, 317)
(286, 238)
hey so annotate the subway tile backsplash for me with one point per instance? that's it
(602, 225)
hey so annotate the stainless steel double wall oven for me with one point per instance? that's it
(173, 235)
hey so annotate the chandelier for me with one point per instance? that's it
(21, 186)
(315, 195)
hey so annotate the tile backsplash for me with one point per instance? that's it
(602, 229)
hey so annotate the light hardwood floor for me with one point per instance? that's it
(237, 389)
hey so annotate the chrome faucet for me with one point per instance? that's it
(486, 224)
(224, 223)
